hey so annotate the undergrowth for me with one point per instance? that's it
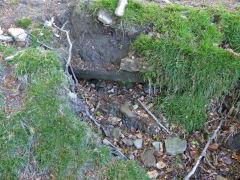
(186, 51)
(46, 135)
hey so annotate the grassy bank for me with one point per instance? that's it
(46, 136)
(186, 49)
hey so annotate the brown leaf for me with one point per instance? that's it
(236, 156)
(161, 165)
(213, 147)
(152, 174)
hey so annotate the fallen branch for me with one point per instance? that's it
(70, 45)
(154, 117)
(117, 151)
(204, 151)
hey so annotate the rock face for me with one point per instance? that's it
(98, 49)
(175, 146)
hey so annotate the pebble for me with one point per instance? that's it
(138, 143)
(156, 146)
(135, 107)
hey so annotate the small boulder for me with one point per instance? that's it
(233, 143)
(138, 143)
(18, 34)
(148, 158)
(175, 146)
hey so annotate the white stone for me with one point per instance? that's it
(105, 18)
(135, 107)
(6, 38)
(121, 7)
(18, 34)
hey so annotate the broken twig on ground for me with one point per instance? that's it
(154, 117)
(204, 151)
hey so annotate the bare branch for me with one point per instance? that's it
(154, 117)
(204, 151)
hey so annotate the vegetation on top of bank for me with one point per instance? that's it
(46, 134)
(187, 50)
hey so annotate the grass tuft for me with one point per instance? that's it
(24, 23)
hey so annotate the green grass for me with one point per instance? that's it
(24, 23)
(56, 139)
(187, 55)
(43, 34)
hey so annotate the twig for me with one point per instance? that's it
(70, 45)
(204, 151)
(154, 117)
(118, 152)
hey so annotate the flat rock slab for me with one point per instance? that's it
(175, 146)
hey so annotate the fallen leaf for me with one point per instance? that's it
(139, 135)
(213, 147)
(161, 165)
(236, 156)
(152, 174)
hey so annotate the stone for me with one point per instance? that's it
(18, 34)
(115, 133)
(121, 8)
(138, 143)
(175, 146)
(156, 146)
(105, 18)
(125, 109)
(131, 157)
(135, 107)
(148, 158)
(135, 65)
(6, 38)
